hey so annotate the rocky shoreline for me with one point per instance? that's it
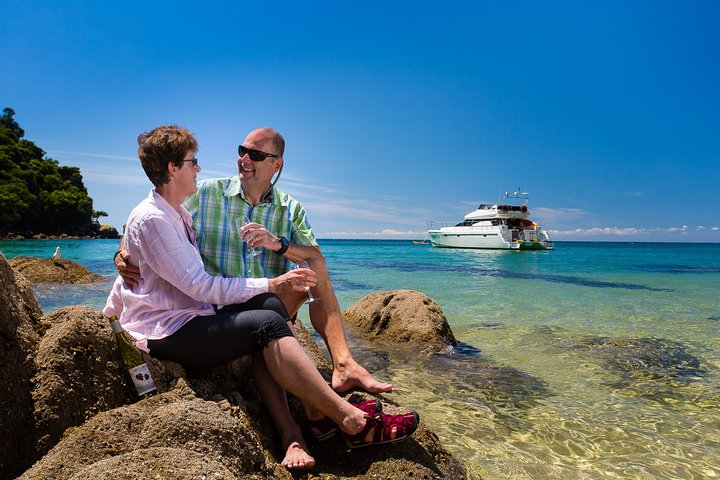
(94, 231)
(65, 412)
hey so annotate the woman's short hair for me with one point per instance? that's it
(167, 143)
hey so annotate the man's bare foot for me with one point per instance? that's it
(352, 375)
(297, 457)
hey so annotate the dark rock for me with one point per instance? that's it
(20, 326)
(107, 231)
(401, 316)
(45, 270)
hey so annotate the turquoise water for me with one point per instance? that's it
(596, 360)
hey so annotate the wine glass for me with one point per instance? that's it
(240, 223)
(310, 299)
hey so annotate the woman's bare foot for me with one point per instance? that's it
(297, 457)
(352, 375)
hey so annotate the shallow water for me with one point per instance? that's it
(597, 360)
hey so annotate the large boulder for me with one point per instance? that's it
(20, 324)
(401, 317)
(77, 373)
(200, 437)
(45, 270)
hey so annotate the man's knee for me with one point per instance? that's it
(318, 265)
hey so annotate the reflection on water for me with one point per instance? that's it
(614, 408)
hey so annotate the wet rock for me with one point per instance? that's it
(654, 369)
(401, 317)
(45, 270)
(20, 327)
(643, 357)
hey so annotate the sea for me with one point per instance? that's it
(592, 361)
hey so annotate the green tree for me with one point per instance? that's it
(97, 214)
(36, 194)
(7, 121)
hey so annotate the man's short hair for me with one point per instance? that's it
(277, 140)
(163, 144)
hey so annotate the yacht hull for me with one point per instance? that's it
(482, 238)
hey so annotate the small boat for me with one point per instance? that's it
(504, 225)
(420, 242)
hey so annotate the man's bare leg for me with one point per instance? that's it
(326, 318)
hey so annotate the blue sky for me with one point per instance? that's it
(394, 113)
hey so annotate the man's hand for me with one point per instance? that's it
(129, 273)
(258, 236)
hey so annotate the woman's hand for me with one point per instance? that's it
(299, 280)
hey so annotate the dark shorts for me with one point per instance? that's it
(234, 331)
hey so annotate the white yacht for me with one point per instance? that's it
(504, 225)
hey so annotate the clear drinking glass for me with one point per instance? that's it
(310, 299)
(240, 223)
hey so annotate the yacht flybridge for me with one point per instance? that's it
(504, 225)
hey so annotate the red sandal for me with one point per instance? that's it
(325, 428)
(382, 427)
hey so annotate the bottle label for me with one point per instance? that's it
(142, 379)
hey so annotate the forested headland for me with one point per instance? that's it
(38, 197)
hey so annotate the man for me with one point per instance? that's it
(279, 229)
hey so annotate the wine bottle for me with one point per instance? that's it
(140, 381)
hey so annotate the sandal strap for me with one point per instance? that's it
(385, 429)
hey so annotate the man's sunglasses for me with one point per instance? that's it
(193, 160)
(255, 155)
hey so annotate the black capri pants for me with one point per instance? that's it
(234, 331)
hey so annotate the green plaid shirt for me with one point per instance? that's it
(215, 208)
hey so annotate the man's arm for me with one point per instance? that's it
(129, 273)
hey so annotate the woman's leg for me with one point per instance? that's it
(275, 399)
(218, 338)
(236, 330)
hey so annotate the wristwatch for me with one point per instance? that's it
(284, 244)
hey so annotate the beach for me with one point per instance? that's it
(596, 360)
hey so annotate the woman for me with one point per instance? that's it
(171, 316)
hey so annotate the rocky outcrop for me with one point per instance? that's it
(45, 270)
(20, 323)
(89, 231)
(205, 423)
(401, 316)
(77, 375)
(177, 424)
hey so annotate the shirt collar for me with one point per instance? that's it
(163, 205)
(234, 187)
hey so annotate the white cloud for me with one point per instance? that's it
(60, 154)
(384, 234)
(617, 231)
